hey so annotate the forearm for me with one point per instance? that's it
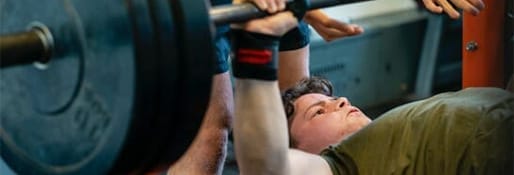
(293, 67)
(314, 15)
(207, 153)
(330, 28)
(260, 128)
(205, 156)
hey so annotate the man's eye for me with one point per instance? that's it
(319, 112)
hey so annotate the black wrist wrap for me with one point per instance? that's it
(255, 55)
(299, 8)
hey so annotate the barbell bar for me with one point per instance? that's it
(234, 13)
(118, 87)
(35, 45)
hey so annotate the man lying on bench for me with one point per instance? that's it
(465, 132)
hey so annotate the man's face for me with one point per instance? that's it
(320, 120)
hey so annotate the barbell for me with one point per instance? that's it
(95, 87)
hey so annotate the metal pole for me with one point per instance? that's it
(483, 47)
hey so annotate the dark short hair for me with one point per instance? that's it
(304, 86)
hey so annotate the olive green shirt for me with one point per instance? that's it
(464, 132)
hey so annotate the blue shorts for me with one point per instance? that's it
(297, 38)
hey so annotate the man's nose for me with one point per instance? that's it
(341, 102)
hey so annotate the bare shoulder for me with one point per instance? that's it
(302, 163)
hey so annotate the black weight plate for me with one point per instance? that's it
(183, 44)
(193, 73)
(178, 101)
(138, 146)
(168, 131)
(72, 116)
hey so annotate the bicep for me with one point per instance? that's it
(302, 163)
